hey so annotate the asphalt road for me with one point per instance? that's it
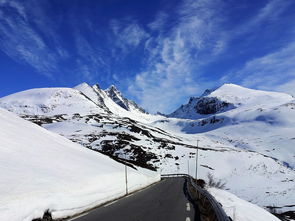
(165, 201)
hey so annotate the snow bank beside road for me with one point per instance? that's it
(40, 171)
(240, 210)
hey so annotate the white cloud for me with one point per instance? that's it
(173, 60)
(128, 34)
(23, 43)
(90, 62)
(288, 87)
(159, 22)
(30, 36)
(269, 13)
(270, 71)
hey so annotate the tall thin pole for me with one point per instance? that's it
(126, 177)
(197, 155)
(188, 166)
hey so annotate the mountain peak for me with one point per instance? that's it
(231, 86)
(123, 102)
(82, 85)
(223, 86)
(113, 88)
(96, 86)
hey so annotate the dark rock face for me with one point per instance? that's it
(211, 105)
(117, 97)
(113, 94)
(46, 217)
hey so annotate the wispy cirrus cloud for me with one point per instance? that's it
(127, 34)
(160, 21)
(22, 42)
(288, 87)
(173, 59)
(89, 58)
(274, 70)
(271, 71)
(30, 35)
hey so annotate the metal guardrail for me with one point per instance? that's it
(204, 199)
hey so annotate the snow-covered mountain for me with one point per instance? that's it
(256, 120)
(42, 171)
(49, 102)
(96, 119)
(87, 115)
(82, 99)
(227, 97)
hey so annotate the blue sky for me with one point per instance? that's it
(157, 52)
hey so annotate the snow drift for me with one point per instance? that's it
(40, 171)
(240, 210)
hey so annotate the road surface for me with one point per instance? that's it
(164, 201)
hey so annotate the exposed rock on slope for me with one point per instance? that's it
(117, 97)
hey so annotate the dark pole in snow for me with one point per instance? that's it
(188, 165)
(197, 155)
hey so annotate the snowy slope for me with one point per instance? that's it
(49, 101)
(94, 93)
(40, 171)
(260, 121)
(239, 95)
(240, 210)
(268, 131)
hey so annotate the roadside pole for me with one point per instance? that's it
(126, 177)
(188, 165)
(197, 155)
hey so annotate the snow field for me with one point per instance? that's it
(40, 171)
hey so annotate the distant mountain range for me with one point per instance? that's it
(246, 136)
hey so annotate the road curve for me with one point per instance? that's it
(166, 200)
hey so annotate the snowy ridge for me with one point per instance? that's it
(79, 178)
(49, 101)
(110, 99)
(93, 93)
(239, 95)
(117, 97)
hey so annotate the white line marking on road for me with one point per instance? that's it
(110, 203)
(76, 217)
(129, 195)
(188, 219)
(188, 207)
